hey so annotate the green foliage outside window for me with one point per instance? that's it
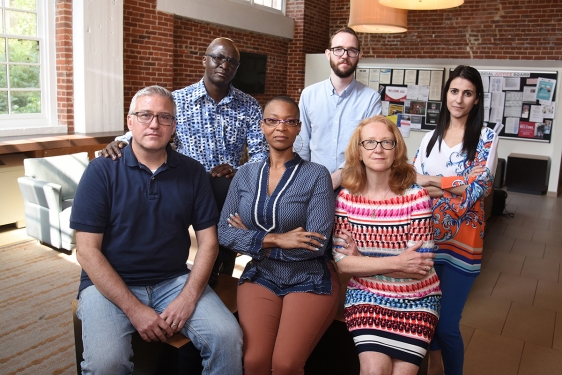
(20, 81)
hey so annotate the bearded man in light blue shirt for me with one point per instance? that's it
(331, 109)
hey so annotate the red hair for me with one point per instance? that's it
(354, 175)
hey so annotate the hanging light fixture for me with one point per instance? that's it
(421, 4)
(368, 16)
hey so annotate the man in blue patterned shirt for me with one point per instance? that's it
(214, 122)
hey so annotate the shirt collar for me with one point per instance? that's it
(291, 163)
(332, 91)
(131, 160)
(200, 91)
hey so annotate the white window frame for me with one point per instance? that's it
(233, 13)
(265, 7)
(46, 121)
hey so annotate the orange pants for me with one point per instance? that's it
(281, 332)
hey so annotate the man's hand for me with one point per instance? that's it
(336, 179)
(113, 150)
(177, 313)
(223, 170)
(150, 325)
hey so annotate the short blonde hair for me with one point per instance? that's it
(354, 175)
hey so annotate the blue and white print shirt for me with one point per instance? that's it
(215, 133)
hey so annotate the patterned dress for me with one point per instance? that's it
(459, 220)
(393, 316)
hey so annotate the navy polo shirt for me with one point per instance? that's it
(144, 217)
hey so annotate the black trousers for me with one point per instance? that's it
(226, 258)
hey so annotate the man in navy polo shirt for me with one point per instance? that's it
(132, 218)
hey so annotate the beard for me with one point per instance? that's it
(341, 72)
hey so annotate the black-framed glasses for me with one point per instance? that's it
(220, 59)
(371, 144)
(339, 51)
(163, 119)
(275, 121)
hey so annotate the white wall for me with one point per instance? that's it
(232, 13)
(98, 65)
(317, 69)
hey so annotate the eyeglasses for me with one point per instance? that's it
(162, 118)
(275, 121)
(371, 144)
(220, 59)
(339, 51)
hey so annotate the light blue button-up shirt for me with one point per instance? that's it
(328, 120)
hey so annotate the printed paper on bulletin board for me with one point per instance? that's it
(413, 92)
(524, 102)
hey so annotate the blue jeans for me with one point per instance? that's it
(106, 330)
(455, 287)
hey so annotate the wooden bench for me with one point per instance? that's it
(171, 357)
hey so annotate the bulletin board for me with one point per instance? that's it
(413, 95)
(520, 104)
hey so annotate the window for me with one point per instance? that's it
(25, 99)
(274, 4)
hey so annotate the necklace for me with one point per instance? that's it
(373, 209)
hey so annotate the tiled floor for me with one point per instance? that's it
(512, 322)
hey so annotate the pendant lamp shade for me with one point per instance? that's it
(368, 16)
(421, 4)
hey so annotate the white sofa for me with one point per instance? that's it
(48, 189)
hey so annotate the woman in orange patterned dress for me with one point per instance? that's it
(456, 163)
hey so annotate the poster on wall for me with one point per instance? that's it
(413, 92)
(433, 109)
(526, 129)
(524, 101)
(395, 94)
(545, 89)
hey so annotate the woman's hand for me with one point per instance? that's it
(434, 192)
(297, 238)
(422, 180)
(236, 222)
(413, 264)
(476, 171)
(345, 244)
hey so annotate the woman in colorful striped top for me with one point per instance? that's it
(456, 163)
(384, 238)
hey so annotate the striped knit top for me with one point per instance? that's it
(303, 198)
(387, 228)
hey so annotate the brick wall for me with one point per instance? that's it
(312, 34)
(64, 60)
(163, 49)
(479, 29)
(191, 39)
(148, 47)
